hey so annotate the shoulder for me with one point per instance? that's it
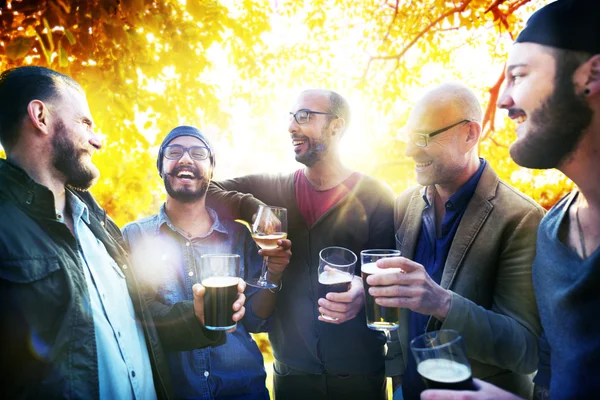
(509, 197)
(141, 226)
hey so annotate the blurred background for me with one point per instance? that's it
(233, 68)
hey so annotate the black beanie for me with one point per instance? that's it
(183, 131)
(565, 24)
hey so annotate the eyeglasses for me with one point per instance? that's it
(422, 139)
(176, 151)
(301, 116)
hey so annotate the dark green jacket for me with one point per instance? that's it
(47, 341)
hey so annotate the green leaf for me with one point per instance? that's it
(63, 57)
(70, 36)
(49, 34)
(46, 55)
(18, 47)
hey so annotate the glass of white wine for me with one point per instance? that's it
(269, 226)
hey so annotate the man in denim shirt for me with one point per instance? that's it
(166, 250)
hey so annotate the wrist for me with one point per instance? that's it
(446, 302)
(274, 277)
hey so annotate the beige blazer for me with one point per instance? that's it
(488, 271)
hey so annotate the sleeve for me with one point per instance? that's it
(177, 325)
(542, 378)
(253, 269)
(234, 197)
(512, 323)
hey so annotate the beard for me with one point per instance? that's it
(317, 149)
(186, 194)
(557, 125)
(67, 159)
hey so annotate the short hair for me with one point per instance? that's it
(18, 87)
(340, 107)
(567, 61)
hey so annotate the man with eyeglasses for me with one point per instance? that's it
(468, 242)
(166, 249)
(328, 205)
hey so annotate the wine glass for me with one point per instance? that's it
(269, 226)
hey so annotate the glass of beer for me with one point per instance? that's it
(441, 360)
(269, 226)
(220, 275)
(336, 270)
(379, 318)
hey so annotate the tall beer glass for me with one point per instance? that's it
(441, 360)
(336, 270)
(378, 317)
(220, 275)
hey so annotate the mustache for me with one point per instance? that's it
(513, 112)
(177, 170)
(299, 137)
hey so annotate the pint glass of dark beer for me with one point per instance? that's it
(379, 318)
(220, 275)
(336, 270)
(441, 360)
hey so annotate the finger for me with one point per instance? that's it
(231, 330)
(285, 244)
(333, 306)
(396, 302)
(338, 317)
(394, 291)
(241, 286)
(198, 291)
(239, 314)
(398, 262)
(444, 394)
(330, 321)
(239, 302)
(386, 279)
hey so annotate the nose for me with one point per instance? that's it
(95, 141)
(293, 125)
(411, 149)
(186, 158)
(505, 101)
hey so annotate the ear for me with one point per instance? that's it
(473, 134)
(587, 77)
(39, 116)
(337, 126)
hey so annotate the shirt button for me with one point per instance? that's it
(133, 374)
(187, 244)
(124, 266)
(191, 273)
(206, 374)
(101, 223)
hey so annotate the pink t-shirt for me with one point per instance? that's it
(314, 203)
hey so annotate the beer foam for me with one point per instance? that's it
(334, 276)
(220, 281)
(372, 268)
(443, 370)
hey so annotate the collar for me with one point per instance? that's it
(459, 200)
(163, 220)
(78, 208)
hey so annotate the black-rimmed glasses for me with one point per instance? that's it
(422, 139)
(302, 116)
(176, 151)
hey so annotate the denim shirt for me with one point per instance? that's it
(124, 370)
(166, 263)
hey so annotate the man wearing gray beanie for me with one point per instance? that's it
(553, 95)
(166, 250)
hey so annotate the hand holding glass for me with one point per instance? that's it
(336, 270)
(220, 275)
(269, 226)
(441, 360)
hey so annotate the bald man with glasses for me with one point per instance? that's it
(468, 242)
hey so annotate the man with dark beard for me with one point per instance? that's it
(328, 205)
(72, 321)
(553, 94)
(166, 250)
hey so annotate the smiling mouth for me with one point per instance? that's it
(423, 164)
(185, 175)
(520, 119)
(296, 143)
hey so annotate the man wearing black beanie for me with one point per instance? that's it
(553, 94)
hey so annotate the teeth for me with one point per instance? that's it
(423, 165)
(520, 119)
(297, 142)
(185, 174)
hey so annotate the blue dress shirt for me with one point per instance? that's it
(234, 370)
(431, 252)
(124, 370)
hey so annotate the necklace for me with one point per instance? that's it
(581, 238)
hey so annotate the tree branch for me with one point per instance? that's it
(490, 111)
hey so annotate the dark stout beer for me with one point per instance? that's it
(441, 373)
(221, 293)
(333, 281)
(378, 317)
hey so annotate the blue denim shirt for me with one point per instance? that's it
(166, 262)
(431, 252)
(124, 370)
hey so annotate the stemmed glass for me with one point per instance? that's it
(269, 226)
